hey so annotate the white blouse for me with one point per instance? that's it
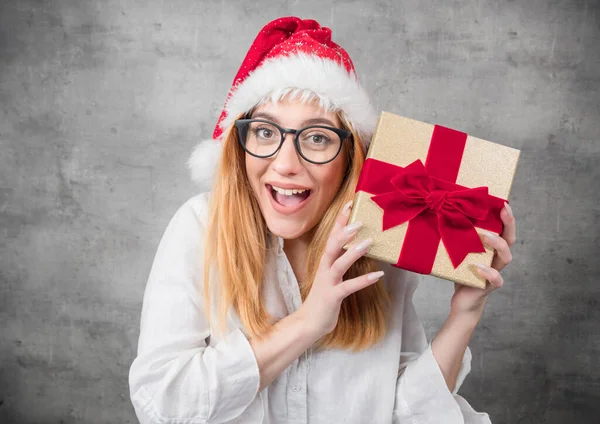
(187, 373)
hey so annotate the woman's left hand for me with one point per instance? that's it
(471, 299)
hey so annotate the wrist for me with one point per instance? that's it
(308, 331)
(468, 319)
(472, 307)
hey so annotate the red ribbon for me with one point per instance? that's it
(436, 208)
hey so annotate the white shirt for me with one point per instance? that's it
(186, 373)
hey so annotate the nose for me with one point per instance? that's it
(287, 161)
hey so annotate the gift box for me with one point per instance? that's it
(426, 194)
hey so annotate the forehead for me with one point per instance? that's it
(290, 111)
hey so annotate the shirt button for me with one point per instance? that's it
(296, 388)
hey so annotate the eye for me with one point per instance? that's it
(318, 139)
(264, 132)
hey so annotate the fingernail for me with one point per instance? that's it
(349, 229)
(490, 235)
(363, 245)
(484, 268)
(374, 276)
(508, 209)
(347, 207)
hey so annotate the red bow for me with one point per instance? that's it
(417, 194)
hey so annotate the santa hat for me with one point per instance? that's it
(290, 56)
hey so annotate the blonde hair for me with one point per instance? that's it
(237, 243)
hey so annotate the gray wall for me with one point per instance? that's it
(103, 101)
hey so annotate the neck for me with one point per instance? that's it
(296, 251)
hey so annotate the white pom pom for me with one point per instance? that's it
(203, 162)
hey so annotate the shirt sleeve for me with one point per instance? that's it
(422, 396)
(176, 377)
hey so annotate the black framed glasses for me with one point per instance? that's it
(317, 144)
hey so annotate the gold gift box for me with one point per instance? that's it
(400, 141)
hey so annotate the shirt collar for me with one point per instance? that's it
(276, 242)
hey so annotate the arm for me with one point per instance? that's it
(318, 315)
(450, 344)
(176, 377)
(467, 303)
(422, 395)
(275, 351)
(427, 385)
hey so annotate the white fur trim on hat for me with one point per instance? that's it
(330, 81)
(203, 162)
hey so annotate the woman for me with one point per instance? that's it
(253, 311)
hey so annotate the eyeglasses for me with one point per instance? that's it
(317, 144)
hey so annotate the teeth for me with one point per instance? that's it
(288, 192)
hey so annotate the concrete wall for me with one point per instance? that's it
(102, 102)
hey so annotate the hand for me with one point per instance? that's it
(471, 299)
(321, 308)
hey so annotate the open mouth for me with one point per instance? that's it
(288, 197)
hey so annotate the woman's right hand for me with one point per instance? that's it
(321, 308)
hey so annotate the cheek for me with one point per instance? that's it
(253, 171)
(330, 178)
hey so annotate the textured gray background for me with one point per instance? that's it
(102, 102)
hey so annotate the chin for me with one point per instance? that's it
(287, 229)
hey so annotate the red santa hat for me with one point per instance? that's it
(295, 57)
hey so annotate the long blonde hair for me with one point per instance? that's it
(237, 243)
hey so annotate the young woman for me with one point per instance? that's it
(253, 311)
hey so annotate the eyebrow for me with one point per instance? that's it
(314, 121)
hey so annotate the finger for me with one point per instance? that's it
(338, 238)
(510, 226)
(503, 254)
(353, 285)
(493, 277)
(344, 262)
(342, 217)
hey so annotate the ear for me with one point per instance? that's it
(203, 162)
